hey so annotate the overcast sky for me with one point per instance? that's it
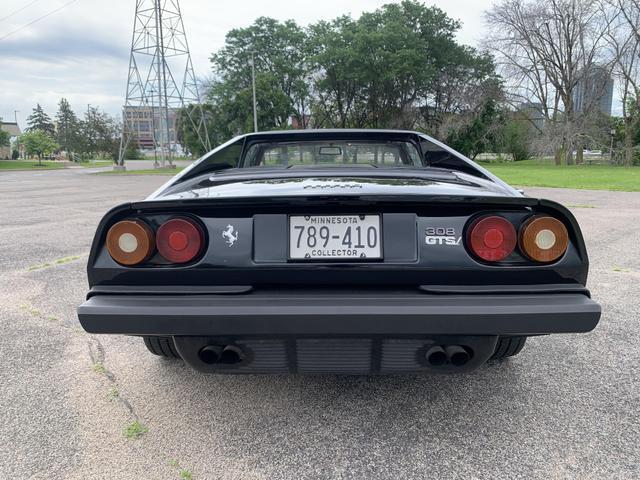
(82, 51)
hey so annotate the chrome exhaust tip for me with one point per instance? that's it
(436, 356)
(457, 355)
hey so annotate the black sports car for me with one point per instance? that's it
(340, 251)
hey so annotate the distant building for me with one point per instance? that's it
(594, 92)
(139, 123)
(14, 131)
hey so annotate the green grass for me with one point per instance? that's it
(182, 472)
(535, 173)
(98, 367)
(113, 394)
(135, 430)
(94, 163)
(150, 171)
(29, 165)
(48, 165)
(531, 173)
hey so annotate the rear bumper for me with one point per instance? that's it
(327, 314)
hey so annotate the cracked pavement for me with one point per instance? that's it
(566, 407)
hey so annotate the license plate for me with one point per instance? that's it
(335, 237)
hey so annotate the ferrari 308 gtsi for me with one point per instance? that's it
(337, 251)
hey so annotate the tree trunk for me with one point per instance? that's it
(628, 141)
(579, 154)
(569, 154)
(558, 156)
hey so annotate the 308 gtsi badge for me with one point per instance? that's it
(337, 251)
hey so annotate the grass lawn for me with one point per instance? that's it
(94, 163)
(28, 165)
(150, 171)
(531, 173)
(48, 165)
(534, 173)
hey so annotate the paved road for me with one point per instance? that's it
(567, 407)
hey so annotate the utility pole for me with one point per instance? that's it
(15, 116)
(161, 86)
(253, 86)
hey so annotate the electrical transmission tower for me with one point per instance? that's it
(162, 90)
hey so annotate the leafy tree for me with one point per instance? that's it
(398, 66)
(67, 127)
(38, 142)
(280, 74)
(100, 134)
(187, 135)
(132, 153)
(516, 138)
(480, 133)
(39, 120)
(5, 138)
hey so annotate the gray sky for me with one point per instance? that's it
(82, 52)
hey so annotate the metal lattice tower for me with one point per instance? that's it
(161, 82)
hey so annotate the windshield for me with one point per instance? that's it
(332, 153)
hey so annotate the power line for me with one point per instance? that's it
(37, 19)
(18, 10)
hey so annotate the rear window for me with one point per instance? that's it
(334, 153)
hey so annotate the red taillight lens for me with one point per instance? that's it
(543, 238)
(130, 242)
(179, 240)
(492, 238)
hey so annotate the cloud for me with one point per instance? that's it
(52, 47)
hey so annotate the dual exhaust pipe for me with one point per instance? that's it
(439, 355)
(221, 354)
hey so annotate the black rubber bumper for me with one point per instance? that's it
(329, 314)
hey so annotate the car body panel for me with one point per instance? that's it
(287, 315)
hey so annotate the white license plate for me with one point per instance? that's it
(335, 237)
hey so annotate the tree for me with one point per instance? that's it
(479, 135)
(515, 136)
(39, 120)
(545, 49)
(398, 66)
(38, 142)
(623, 38)
(280, 74)
(100, 134)
(5, 138)
(187, 135)
(67, 127)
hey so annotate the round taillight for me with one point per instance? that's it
(130, 242)
(492, 238)
(179, 240)
(543, 238)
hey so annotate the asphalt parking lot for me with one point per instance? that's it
(566, 407)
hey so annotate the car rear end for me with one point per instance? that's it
(339, 279)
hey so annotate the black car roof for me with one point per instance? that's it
(460, 162)
(346, 133)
